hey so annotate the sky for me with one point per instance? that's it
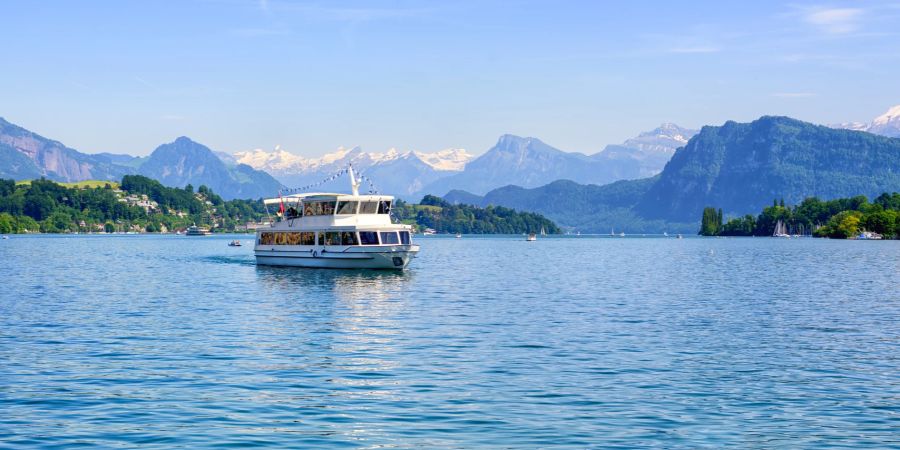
(125, 77)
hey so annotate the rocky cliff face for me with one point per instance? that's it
(51, 159)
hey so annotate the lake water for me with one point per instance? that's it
(175, 342)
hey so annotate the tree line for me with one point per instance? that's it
(49, 207)
(841, 218)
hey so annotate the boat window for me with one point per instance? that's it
(368, 238)
(328, 208)
(348, 238)
(332, 238)
(279, 238)
(307, 238)
(347, 207)
(389, 237)
(404, 237)
(368, 207)
(321, 235)
(293, 238)
(384, 207)
(308, 209)
(267, 239)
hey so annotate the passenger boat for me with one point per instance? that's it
(336, 231)
(194, 230)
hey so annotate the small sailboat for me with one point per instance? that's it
(780, 230)
(531, 237)
(543, 232)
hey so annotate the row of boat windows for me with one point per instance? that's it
(327, 208)
(334, 238)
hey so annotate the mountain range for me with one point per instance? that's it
(400, 173)
(27, 155)
(739, 167)
(517, 160)
(529, 162)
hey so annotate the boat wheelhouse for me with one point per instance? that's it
(339, 231)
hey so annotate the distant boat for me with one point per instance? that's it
(428, 232)
(5, 237)
(665, 234)
(780, 230)
(234, 243)
(680, 236)
(543, 233)
(531, 237)
(458, 235)
(612, 232)
(194, 230)
(622, 234)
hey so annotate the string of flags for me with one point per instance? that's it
(344, 171)
(317, 184)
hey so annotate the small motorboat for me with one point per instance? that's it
(5, 237)
(531, 237)
(458, 235)
(234, 243)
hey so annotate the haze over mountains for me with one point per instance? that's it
(513, 160)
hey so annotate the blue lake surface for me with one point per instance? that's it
(486, 342)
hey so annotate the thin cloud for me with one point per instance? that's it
(794, 94)
(696, 49)
(835, 20)
(260, 32)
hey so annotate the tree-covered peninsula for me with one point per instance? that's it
(444, 217)
(842, 218)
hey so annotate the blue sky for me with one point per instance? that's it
(235, 75)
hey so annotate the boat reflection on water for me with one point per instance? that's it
(345, 285)
(344, 322)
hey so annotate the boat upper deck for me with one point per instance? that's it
(316, 210)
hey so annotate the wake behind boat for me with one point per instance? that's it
(338, 231)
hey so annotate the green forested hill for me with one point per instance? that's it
(741, 167)
(138, 204)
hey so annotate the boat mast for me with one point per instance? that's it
(354, 183)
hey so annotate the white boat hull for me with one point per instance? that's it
(393, 257)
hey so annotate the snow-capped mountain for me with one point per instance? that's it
(887, 124)
(402, 173)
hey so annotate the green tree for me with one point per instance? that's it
(710, 222)
(7, 223)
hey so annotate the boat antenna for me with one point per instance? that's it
(354, 183)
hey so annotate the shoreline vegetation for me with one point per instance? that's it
(140, 204)
(843, 218)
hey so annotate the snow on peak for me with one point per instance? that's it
(892, 115)
(887, 124)
(284, 162)
(451, 159)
